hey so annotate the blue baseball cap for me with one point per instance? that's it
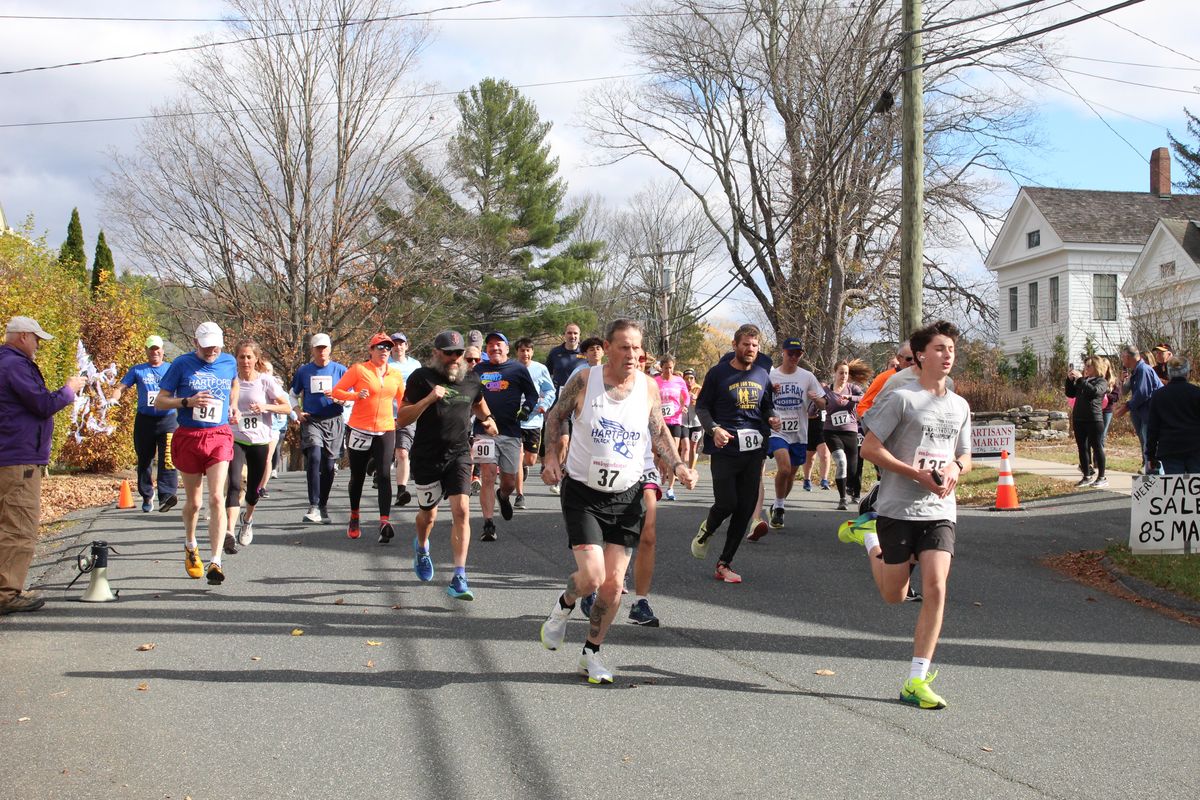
(495, 335)
(792, 344)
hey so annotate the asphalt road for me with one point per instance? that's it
(1055, 690)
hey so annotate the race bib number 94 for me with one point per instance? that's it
(208, 413)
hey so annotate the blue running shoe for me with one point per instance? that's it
(585, 605)
(458, 588)
(807, 485)
(422, 563)
(824, 484)
(641, 614)
(147, 506)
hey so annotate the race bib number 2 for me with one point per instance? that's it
(151, 397)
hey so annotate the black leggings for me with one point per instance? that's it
(381, 450)
(1089, 438)
(254, 458)
(846, 442)
(735, 494)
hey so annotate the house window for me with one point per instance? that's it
(1012, 309)
(1053, 301)
(1033, 305)
(1104, 298)
(1190, 330)
(1166, 270)
(1033, 238)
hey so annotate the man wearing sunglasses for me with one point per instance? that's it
(439, 400)
(904, 358)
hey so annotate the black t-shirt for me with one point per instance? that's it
(444, 428)
(737, 400)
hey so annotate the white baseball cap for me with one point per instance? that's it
(320, 340)
(27, 325)
(209, 335)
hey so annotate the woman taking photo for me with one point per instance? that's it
(1087, 416)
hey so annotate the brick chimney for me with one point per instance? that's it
(1160, 172)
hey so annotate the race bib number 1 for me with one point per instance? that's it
(208, 413)
(483, 450)
(320, 384)
(359, 440)
(749, 440)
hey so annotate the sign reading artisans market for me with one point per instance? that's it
(1166, 514)
(988, 440)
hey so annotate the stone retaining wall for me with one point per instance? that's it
(1038, 425)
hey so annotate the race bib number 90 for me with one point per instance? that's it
(749, 440)
(359, 440)
(483, 450)
(208, 413)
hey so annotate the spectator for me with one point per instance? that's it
(1087, 416)
(1161, 354)
(27, 409)
(1143, 382)
(1173, 425)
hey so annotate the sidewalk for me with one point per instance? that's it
(1121, 482)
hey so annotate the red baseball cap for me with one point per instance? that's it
(381, 338)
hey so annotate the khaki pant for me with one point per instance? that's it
(20, 513)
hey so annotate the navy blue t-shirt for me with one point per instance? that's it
(563, 363)
(189, 375)
(507, 388)
(738, 400)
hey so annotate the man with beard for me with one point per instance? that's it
(440, 399)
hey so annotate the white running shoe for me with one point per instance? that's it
(313, 515)
(589, 664)
(274, 473)
(554, 629)
(246, 534)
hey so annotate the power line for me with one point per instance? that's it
(358, 20)
(1133, 63)
(258, 38)
(1021, 37)
(212, 112)
(937, 26)
(1127, 82)
(1154, 42)
(1108, 125)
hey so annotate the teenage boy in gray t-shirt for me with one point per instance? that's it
(920, 437)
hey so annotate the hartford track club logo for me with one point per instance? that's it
(615, 434)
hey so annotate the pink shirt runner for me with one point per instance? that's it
(675, 398)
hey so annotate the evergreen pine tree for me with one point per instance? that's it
(1188, 157)
(71, 256)
(102, 264)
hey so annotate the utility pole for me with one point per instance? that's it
(912, 203)
(666, 273)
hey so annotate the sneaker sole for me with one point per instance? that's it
(467, 595)
(600, 681)
(168, 504)
(648, 623)
(545, 644)
(215, 581)
(913, 700)
(506, 509)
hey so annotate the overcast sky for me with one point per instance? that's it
(45, 171)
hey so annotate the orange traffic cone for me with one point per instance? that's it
(125, 497)
(1006, 490)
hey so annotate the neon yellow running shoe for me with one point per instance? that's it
(700, 542)
(917, 692)
(851, 531)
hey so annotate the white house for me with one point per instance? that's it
(1063, 257)
(1163, 288)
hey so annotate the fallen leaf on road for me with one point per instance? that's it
(364, 610)
(373, 643)
(297, 632)
(256, 658)
(1091, 599)
(370, 664)
(825, 672)
(143, 687)
(977, 603)
(142, 648)
(627, 759)
(22, 719)
(986, 749)
(339, 601)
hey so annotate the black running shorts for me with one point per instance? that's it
(531, 439)
(595, 517)
(900, 539)
(433, 481)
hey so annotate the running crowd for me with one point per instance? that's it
(618, 432)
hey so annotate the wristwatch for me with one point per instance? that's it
(183, 402)
(961, 466)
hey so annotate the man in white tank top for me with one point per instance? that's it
(613, 410)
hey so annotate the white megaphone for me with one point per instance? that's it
(96, 564)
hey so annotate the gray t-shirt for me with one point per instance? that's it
(924, 430)
(905, 378)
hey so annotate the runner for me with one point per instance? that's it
(841, 429)
(673, 390)
(689, 447)
(610, 409)
(563, 360)
(279, 426)
(511, 396)
(472, 356)
(902, 360)
(439, 400)
(531, 427)
(795, 390)
(737, 410)
(920, 436)
(322, 428)
(203, 386)
(372, 385)
(818, 454)
(258, 401)
(152, 429)
(407, 365)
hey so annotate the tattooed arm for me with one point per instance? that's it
(664, 445)
(569, 399)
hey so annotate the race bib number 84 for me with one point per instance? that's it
(749, 440)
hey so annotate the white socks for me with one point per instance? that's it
(870, 541)
(919, 668)
(777, 504)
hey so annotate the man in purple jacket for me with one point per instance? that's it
(27, 410)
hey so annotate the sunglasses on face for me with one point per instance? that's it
(383, 346)
(470, 360)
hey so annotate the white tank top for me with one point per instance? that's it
(609, 438)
